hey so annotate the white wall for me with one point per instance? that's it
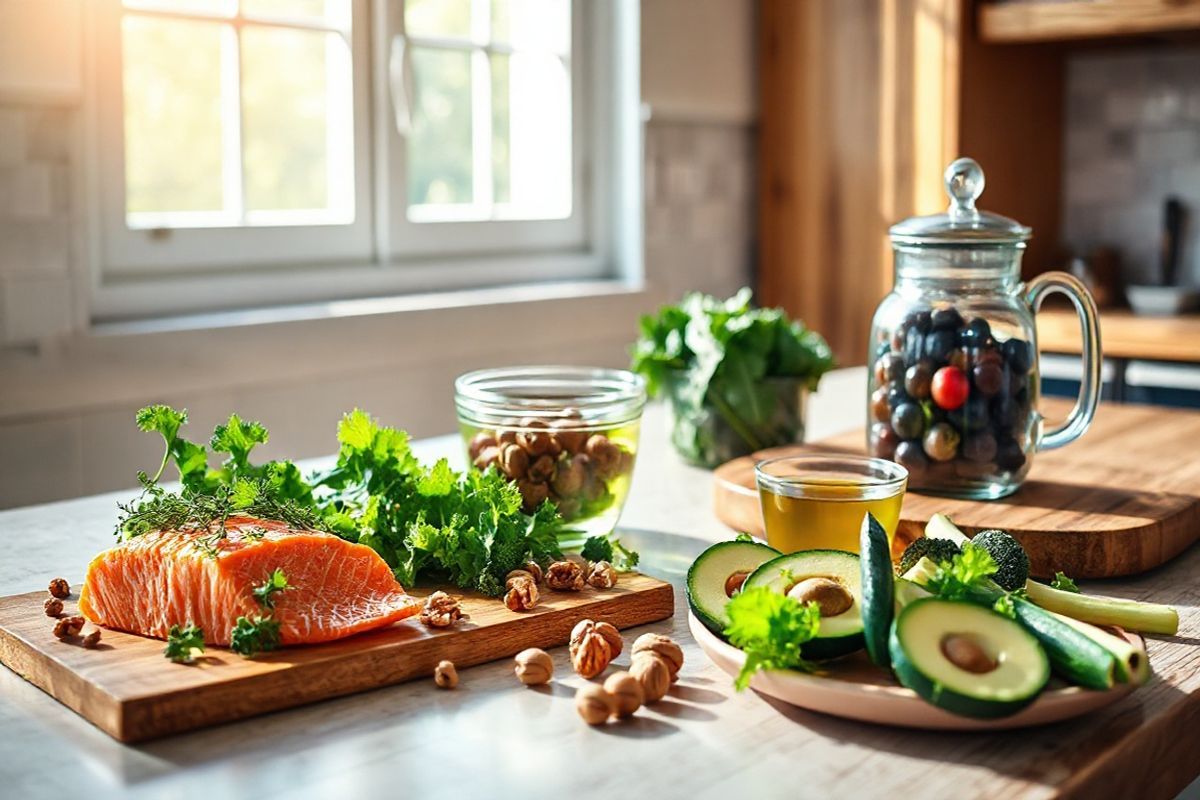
(68, 392)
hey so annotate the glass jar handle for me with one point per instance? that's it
(1089, 388)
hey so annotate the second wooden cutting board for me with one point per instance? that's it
(1123, 499)
(127, 689)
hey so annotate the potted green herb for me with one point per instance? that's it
(736, 377)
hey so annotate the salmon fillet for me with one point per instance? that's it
(148, 583)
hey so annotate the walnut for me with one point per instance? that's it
(440, 611)
(543, 469)
(487, 457)
(602, 575)
(92, 639)
(522, 594)
(532, 494)
(565, 576)
(569, 478)
(590, 649)
(568, 436)
(534, 570)
(53, 607)
(480, 441)
(604, 454)
(60, 588)
(594, 704)
(536, 439)
(664, 647)
(514, 462)
(445, 675)
(534, 667)
(626, 692)
(506, 437)
(515, 575)
(606, 631)
(67, 627)
(653, 674)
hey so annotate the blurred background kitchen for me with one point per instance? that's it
(290, 208)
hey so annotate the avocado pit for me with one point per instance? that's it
(733, 584)
(829, 595)
(964, 652)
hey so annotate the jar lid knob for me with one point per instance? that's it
(964, 183)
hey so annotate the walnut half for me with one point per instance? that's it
(565, 576)
(440, 611)
(522, 594)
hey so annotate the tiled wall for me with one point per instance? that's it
(36, 223)
(1132, 140)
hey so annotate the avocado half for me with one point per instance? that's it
(836, 636)
(918, 653)
(711, 570)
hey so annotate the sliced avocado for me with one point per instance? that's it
(999, 667)
(906, 592)
(878, 594)
(707, 578)
(840, 634)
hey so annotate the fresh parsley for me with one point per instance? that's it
(184, 643)
(265, 592)
(970, 569)
(1063, 583)
(770, 628)
(251, 636)
(602, 548)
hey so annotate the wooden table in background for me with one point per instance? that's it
(1125, 336)
(493, 738)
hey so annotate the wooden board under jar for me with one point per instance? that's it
(1123, 499)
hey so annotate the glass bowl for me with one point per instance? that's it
(564, 434)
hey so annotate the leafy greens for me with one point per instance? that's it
(770, 628)
(717, 361)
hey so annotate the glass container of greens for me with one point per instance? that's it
(735, 377)
(564, 434)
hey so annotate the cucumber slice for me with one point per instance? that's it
(706, 589)
(918, 643)
(878, 580)
(839, 635)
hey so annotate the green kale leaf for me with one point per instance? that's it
(770, 628)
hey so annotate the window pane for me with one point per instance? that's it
(501, 131)
(224, 8)
(438, 18)
(533, 24)
(287, 78)
(539, 137)
(172, 82)
(439, 154)
(332, 12)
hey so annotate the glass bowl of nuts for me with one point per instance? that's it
(564, 434)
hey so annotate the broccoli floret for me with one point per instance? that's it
(1012, 561)
(937, 550)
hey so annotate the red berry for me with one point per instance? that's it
(950, 388)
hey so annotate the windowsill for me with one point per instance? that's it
(366, 306)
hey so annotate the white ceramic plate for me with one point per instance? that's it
(856, 689)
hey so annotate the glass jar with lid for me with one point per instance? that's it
(953, 365)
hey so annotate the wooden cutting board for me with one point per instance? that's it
(129, 690)
(1123, 499)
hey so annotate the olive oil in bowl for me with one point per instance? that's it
(818, 502)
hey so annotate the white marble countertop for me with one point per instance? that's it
(493, 738)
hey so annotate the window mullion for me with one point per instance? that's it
(481, 106)
(232, 158)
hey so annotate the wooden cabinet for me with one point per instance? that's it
(1038, 20)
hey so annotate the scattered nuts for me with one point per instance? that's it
(828, 594)
(515, 575)
(534, 667)
(653, 674)
(602, 575)
(445, 675)
(605, 629)
(565, 576)
(92, 639)
(534, 570)
(964, 652)
(594, 704)
(440, 611)
(53, 607)
(663, 646)
(522, 594)
(626, 693)
(590, 648)
(60, 588)
(67, 627)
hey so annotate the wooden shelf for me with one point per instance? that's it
(1123, 335)
(1058, 20)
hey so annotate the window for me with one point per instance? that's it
(362, 146)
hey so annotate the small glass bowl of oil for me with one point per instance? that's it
(819, 501)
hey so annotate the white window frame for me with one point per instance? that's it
(601, 241)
